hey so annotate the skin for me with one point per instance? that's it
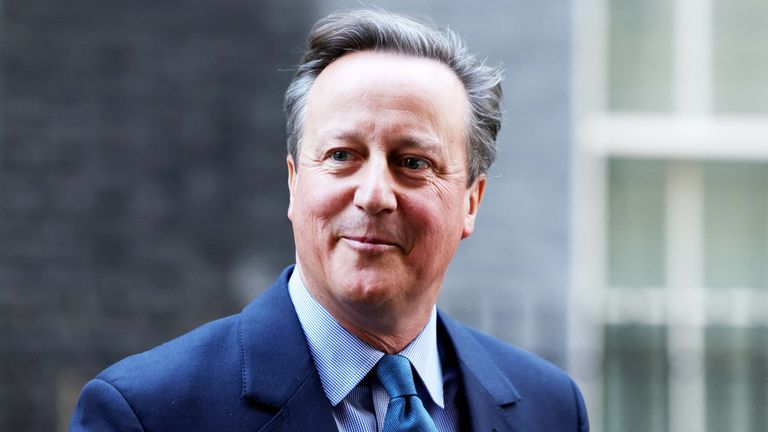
(379, 197)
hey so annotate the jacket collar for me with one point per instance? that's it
(277, 368)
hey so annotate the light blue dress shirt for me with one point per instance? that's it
(343, 362)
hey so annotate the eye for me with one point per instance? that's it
(414, 163)
(339, 155)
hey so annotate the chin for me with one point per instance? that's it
(368, 293)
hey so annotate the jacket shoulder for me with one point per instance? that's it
(194, 374)
(181, 357)
(521, 365)
(539, 392)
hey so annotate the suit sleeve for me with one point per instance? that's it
(102, 407)
(583, 425)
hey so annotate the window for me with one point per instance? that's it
(669, 328)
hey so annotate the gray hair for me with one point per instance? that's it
(378, 30)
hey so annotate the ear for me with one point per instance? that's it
(474, 197)
(292, 177)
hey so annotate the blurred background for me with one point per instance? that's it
(669, 208)
(624, 233)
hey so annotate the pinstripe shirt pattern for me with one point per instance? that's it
(344, 363)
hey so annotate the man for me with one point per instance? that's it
(392, 127)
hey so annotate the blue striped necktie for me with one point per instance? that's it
(405, 412)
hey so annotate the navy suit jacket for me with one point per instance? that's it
(253, 372)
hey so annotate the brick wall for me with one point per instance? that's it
(142, 156)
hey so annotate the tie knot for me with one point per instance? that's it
(394, 372)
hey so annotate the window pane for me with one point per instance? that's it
(635, 379)
(640, 55)
(636, 198)
(740, 54)
(736, 379)
(735, 231)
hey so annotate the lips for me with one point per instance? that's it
(372, 240)
(370, 244)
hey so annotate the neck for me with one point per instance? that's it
(390, 336)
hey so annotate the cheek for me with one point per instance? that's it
(315, 203)
(437, 220)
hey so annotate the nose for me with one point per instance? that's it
(375, 191)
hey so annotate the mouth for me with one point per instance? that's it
(369, 244)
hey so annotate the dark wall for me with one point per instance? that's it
(142, 158)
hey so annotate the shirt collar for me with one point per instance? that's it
(343, 360)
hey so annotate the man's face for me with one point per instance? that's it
(379, 196)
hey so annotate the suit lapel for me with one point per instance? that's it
(488, 393)
(307, 410)
(278, 371)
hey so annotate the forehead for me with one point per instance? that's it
(384, 67)
(388, 84)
